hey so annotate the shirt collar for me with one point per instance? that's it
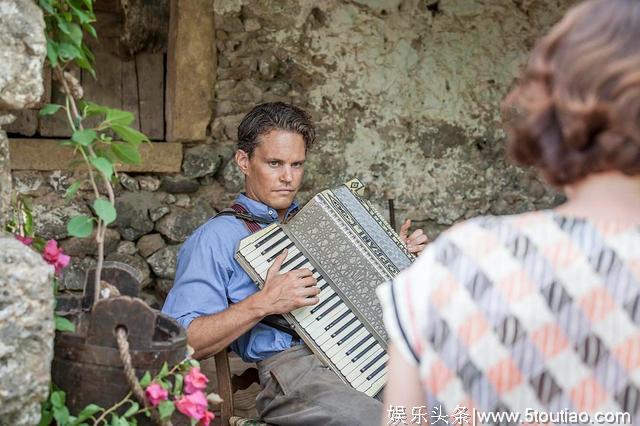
(263, 211)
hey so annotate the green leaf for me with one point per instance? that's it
(69, 51)
(129, 135)
(105, 210)
(194, 363)
(165, 409)
(52, 52)
(45, 418)
(146, 380)
(89, 29)
(164, 370)
(80, 226)
(103, 165)
(91, 109)
(84, 137)
(177, 384)
(45, 4)
(49, 109)
(75, 34)
(63, 25)
(120, 117)
(126, 153)
(83, 17)
(71, 191)
(63, 324)
(132, 410)
(57, 398)
(61, 414)
(87, 412)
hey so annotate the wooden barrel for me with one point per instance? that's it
(87, 363)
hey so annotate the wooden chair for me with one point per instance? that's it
(228, 385)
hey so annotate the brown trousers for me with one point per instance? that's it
(297, 389)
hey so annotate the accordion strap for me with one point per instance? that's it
(253, 225)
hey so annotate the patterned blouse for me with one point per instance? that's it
(532, 313)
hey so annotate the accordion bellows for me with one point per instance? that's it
(351, 250)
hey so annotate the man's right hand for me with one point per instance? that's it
(283, 293)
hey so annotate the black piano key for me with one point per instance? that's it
(343, 328)
(325, 285)
(267, 238)
(364, 351)
(375, 373)
(279, 252)
(373, 361)
(351, 333)
(337, 320)
(323, 303)
(329, 309)
(265, 251)
(360, 343)
(293, 259)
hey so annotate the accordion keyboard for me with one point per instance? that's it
(334, 329)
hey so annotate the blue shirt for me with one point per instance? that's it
(208, 277)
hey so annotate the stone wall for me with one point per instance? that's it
(405, 94)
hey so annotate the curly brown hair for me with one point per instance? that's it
(576, 110)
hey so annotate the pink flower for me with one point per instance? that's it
(195, 381)
(206, 420)
(55, 256)
(156, 393)
(194, 405)
(24, 240)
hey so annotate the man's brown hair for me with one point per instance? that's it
(576, 110)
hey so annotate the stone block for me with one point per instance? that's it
(163, 262)
(149, 244)
(26, 332)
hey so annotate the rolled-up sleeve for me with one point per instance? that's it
(202, 271)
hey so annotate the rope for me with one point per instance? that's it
(130, 374)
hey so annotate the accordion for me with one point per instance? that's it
(350, 249)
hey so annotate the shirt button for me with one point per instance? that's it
(271, 212)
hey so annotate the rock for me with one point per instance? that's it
(51, 214)
(134, 219)
(128, 182)
(136, 262)
(251, 25)
(200, 160)
(183, 200)
(5, 180)
(127, 247)
(22, 56)
(150, 298)
(163, 262)
(73, 275)
(180, 223)
(179, 185)
(26, 330)
(148, 183)
(87, 246)
(28, 182)
(60, 181)
(233, 177)
(170, 199)
(158, 213)
(149, 244)
(163, 287)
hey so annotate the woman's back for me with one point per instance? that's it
(528, 313)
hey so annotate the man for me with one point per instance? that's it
(219, 305)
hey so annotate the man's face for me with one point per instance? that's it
(273, 174)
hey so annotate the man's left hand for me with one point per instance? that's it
(417, 241)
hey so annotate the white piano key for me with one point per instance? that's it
(333, 348)
(249, 251)
(379, 384)
(339, 350)
(366, 384)
(316, 327)
(265, 252)
(264, 266)
(328, 303)
(326, 336)
(343, 357)
(361, 376)
(350, 371)
(301, 313)
(293, 266)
